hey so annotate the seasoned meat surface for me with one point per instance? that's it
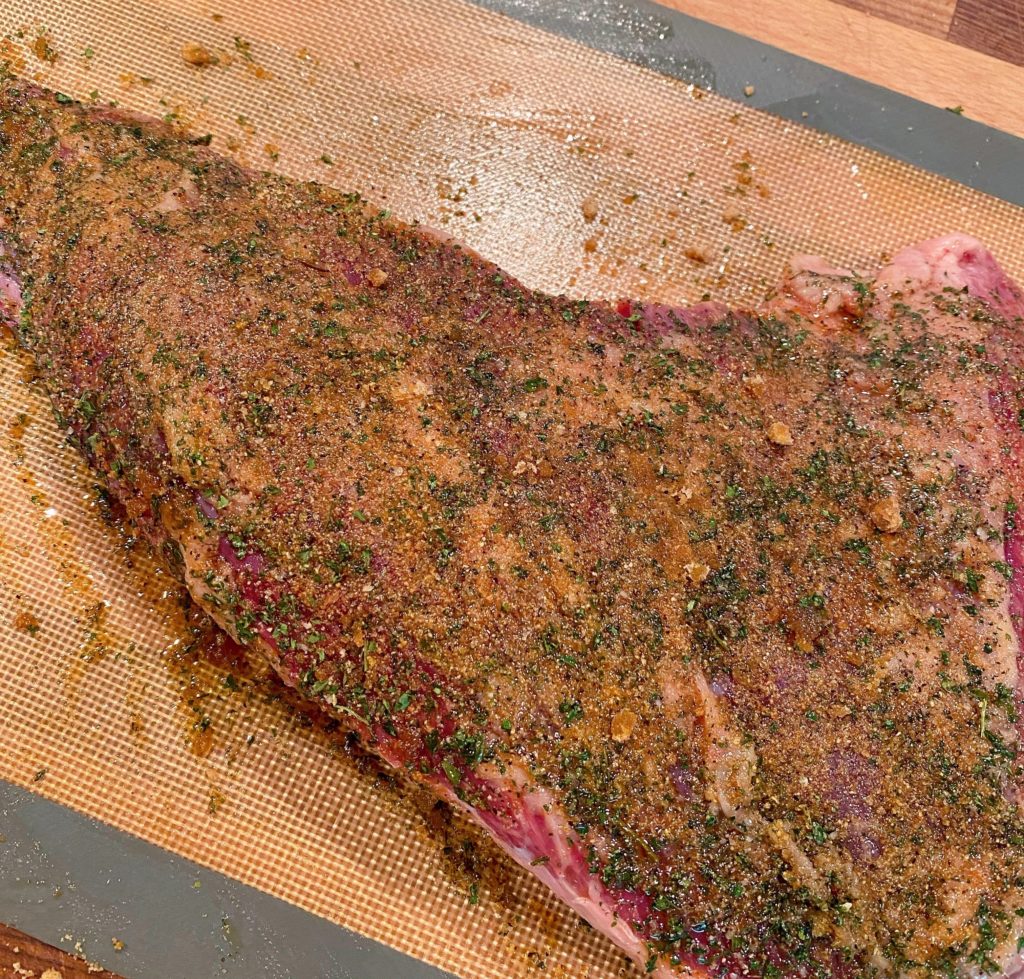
(708, 616)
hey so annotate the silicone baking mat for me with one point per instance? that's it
(574, 170)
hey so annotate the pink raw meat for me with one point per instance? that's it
(709, 617)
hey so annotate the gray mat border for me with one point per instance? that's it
(675, 44)
(64, 874)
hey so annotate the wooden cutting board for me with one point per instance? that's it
(949, 53)
(24, 957)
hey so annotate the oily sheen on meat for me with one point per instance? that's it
(710, 617)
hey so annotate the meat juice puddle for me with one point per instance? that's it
(163, 598)
(58, 540)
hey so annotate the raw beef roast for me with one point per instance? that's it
(710, 617)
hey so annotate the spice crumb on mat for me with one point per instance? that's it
(732, 217)
(26, 622)
(197, 56)
(44, 50)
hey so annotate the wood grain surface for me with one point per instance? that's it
(24, 957)
(950, 53)
(965, 54)
(928, 16)
(993, 26)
